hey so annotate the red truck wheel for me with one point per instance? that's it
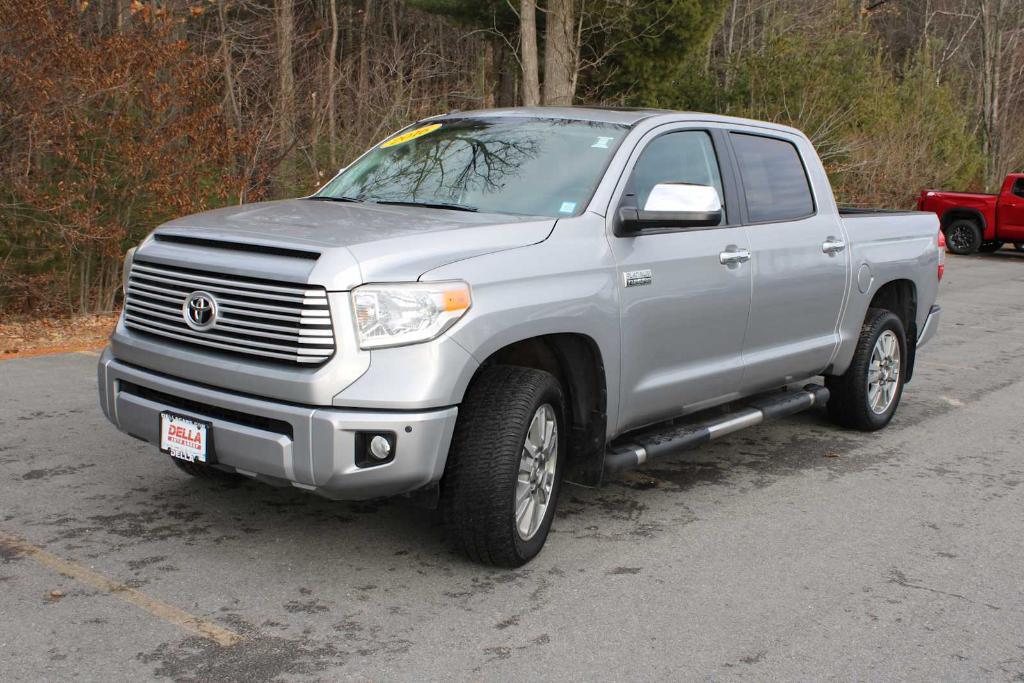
(963, 236)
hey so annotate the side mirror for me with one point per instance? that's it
(673, 205)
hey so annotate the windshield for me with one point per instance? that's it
(537, 167)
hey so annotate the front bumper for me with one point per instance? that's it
(931, 326)
(309, 447)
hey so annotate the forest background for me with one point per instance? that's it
(116, 115)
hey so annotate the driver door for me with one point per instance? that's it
(684, 301)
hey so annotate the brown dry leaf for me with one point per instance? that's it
(831, 454)
(32, 336)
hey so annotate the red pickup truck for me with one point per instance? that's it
(979, 222)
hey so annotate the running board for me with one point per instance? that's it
(645, 446)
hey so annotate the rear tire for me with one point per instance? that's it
(201, 471)
(485, 484)
(866, 396)
(963, 236)
(990, 247)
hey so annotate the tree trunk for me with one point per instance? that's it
(364, 54)
(508, 78)
(991, 48)
(528, 46)
(332, 114)
(225, 55)
(560, 53)
(286, 76)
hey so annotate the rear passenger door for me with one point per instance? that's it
(799, 261)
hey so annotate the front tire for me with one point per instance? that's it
(866, 396)
(505, 466)
(963, 236)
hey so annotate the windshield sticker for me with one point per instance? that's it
(602, 143)
(567, 207)
(411, 135)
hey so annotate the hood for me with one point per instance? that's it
(387, 243)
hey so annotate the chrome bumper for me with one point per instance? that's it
(931, 326)
(281, 443)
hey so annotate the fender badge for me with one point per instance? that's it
(637, 278)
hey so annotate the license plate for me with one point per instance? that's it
(185, 438)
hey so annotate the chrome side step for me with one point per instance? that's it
(642, 447)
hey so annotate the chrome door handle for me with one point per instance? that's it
(733, 255)
(832, 246)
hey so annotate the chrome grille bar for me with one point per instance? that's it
(269, 320)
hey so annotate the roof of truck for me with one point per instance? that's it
(628, 116)
(621, 115)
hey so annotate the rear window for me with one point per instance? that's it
(774, 178)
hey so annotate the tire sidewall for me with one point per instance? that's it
(975, 242)
(888, 322)
(526, 550)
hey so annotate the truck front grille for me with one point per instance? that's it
(255, 317)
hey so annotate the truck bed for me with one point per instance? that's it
(859, 211)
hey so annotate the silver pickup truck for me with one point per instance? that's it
(490, 303)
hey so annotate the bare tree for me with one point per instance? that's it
(332, 112)
(561, 53)
(286, 75)
(528, 48)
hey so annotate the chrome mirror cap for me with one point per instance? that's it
(683, 198)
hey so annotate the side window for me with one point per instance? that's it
(1018, 187)
(686, 156)
(774, 178)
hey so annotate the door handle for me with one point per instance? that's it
(832, 246)
(733, 255)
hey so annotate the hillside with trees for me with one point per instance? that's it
(116, 115)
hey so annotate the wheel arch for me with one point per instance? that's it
(900, 297)
(575, 360)
(960, 212)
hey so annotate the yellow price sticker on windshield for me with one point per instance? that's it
(411, 135)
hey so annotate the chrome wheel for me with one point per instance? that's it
(884, 372)
(537, 467)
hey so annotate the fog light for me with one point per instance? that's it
(380, 448)
(374, 448)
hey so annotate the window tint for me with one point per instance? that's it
(683, 157)
(1018, 187)
(774, 179)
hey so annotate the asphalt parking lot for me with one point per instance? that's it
(794, 550)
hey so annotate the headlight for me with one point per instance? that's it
(392, 315)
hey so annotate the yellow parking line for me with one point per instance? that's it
(169, 613)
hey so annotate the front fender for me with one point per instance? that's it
(563, 285)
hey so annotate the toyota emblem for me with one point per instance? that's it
(200, 311)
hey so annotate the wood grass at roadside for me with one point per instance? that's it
(22, 337)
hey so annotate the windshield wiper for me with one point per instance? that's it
(328, 198)
(427, 205)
